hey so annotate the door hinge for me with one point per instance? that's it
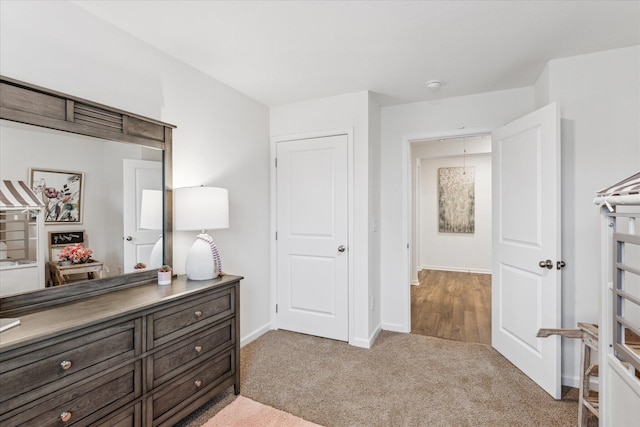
(276, 235)
(276, 308)
(276, 162)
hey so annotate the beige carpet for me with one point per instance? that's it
(403, 380)
(243, 412)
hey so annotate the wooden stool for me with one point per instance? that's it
(588, 332)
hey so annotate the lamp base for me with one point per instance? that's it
(203, 259)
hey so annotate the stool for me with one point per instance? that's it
(588, 332)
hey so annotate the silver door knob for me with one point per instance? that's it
(129, 238)
(341, 248)
(546, 264)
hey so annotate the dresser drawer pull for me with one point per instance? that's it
(65, 416)
(65, 364)
(198, 314)
(198, 348)
(198, 383)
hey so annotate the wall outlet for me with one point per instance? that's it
(120, 269)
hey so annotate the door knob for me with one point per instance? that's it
(129, 238)
(546, 264)
(341, 248)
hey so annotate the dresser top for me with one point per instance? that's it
(101, 308)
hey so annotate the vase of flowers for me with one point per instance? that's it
(164, 275)
(74, 254)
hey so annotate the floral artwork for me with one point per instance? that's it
(456, 200)
(76, 254)
(61, 193)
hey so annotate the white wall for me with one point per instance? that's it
(599, 98)
(402, 124)
(344, 113)
(222, 136)
(455, 251)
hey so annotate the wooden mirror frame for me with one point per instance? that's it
(30, 104)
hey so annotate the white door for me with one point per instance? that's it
(312, 264)
(526, 231)
(138, 242)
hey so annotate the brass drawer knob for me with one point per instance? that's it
(198, 314)
(198, 348)
(65, 416)
(65, 364)
(198, 383)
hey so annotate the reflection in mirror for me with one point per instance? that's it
(114, 177)
(151, 219)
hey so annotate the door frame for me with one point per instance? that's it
(273, 254)
(407, 209)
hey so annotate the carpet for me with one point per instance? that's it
(243, 412)
(404, 380)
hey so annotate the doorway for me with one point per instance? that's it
(451, 256)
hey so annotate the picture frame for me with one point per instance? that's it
(61, 192)
(456, 200)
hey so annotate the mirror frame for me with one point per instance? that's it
(34, 105)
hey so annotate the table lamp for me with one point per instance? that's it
(151, 218)
(202, 208)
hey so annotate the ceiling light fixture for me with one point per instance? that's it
(433, 85)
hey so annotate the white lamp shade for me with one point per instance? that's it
(201, 208)
(151, 210)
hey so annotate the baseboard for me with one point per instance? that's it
(574, 382)
(394, 327)
(456, 269)
(255, 335)
(366, 343)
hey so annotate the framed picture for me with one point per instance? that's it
(61, 193)
(456, 200)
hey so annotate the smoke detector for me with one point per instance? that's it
(433, 85)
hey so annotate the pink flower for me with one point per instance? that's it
(76, 253)
(51, 193)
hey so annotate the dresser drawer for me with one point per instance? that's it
(194, 382)
(128, 417)
(47, 369)
(171, 323)
(171, 361)
(76, 404)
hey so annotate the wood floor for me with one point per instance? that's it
(452, 305)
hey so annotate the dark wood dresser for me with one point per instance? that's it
(146, 355)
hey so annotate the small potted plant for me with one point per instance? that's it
(140, 266)
(164, 275)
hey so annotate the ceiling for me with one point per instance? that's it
(279, 52)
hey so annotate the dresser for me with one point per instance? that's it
(146, 355)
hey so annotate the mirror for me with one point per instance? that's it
(114, 175)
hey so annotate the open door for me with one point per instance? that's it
(526, 244)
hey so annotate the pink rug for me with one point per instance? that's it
(244, 412)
